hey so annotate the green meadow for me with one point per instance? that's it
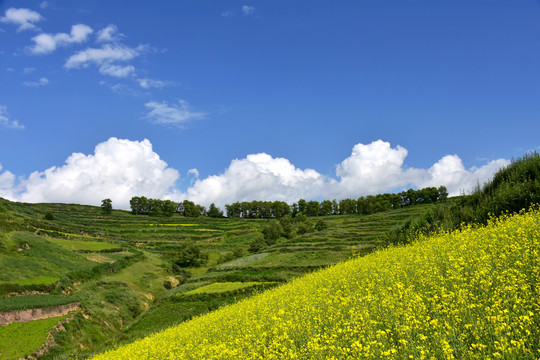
(136, 275)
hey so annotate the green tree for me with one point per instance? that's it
(326, 208)
(287, 228)
(214, 211)
(106, 206)
(321, 225)
(271, 231)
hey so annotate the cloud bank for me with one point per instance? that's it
(118, 169)
(23, 18)
(121, 169)
(48, 43)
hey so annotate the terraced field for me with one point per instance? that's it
(120, 267)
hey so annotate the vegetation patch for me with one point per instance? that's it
(34, 301)
(78, 245)
(21, 339)
(471, 294)
(222, 287)
(40, 280)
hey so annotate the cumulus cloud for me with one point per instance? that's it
(7, 180)
(41, 82)
(121, 169)
(377, 167)
(450, 172)
(6, 122)
(107, 58)
(258, 177)
(372, 168)
(48, 43)
(109, 34)
(171, 114)
(118, 169)
(248, 10)
(24, 18)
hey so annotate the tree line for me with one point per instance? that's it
(370, 204)
(141, 205)
(363, 205)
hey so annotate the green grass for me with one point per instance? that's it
(216, 288)
(78, 245)
(34, 301)
(21, 339)
(470, 294)
(127, 298)
(40, 280)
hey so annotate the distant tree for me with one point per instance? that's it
(321, 225)
(189, 255)
(335, 207)
(287, 228)
(167, 208)
(271, 231)
(106, 206)
(294, 209)
(326, 208)
(442, 193)
(313, 207)
(302, 206)
(191, 209)
(214, 211)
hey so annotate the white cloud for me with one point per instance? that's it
(193, 172)
(44, 5)
(173, 114)
(371, 169)
(41, 82)
(109, 34)
(118, 169)
(258, 177)
(105, 57)
(47, 43)
(147, 83)
(248, 10)
(24, 18)
(227, 13)
(6, 122)
(377, 168)
(28, 70)
(7, 181)
(117, 70)
(121, 169)
(450, 172)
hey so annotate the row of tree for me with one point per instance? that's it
(363, 205)
(141, 205)
(370, 204)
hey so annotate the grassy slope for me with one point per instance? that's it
(468, 294)
(116, 301)
(20, 339)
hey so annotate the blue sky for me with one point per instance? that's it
(222, 101)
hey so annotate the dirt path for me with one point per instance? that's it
(9, 317)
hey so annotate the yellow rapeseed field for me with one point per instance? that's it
(470, 294)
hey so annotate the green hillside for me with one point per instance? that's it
(135, 275)
(468, 294)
